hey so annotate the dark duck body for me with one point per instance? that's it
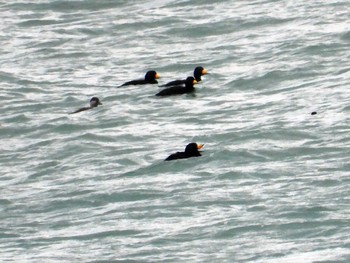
(94, 102)
(179, 89)
(150, 78)
(197, 74)
(191, 150)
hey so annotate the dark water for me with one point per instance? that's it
(272, 184)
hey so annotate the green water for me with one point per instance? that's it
(272, 184)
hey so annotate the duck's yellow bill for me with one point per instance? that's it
(199, 146)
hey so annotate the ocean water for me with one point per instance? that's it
(272, 184)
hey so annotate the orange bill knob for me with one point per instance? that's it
(199, 146)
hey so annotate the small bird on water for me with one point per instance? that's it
(191, 150)
(150, 78)
(94, 102)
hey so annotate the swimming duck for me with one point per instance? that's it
(150, 78)
(94, 102)
(191, 150)
(197, 73)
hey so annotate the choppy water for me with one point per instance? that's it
(273, 182)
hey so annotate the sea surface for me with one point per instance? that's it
(273, 182)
